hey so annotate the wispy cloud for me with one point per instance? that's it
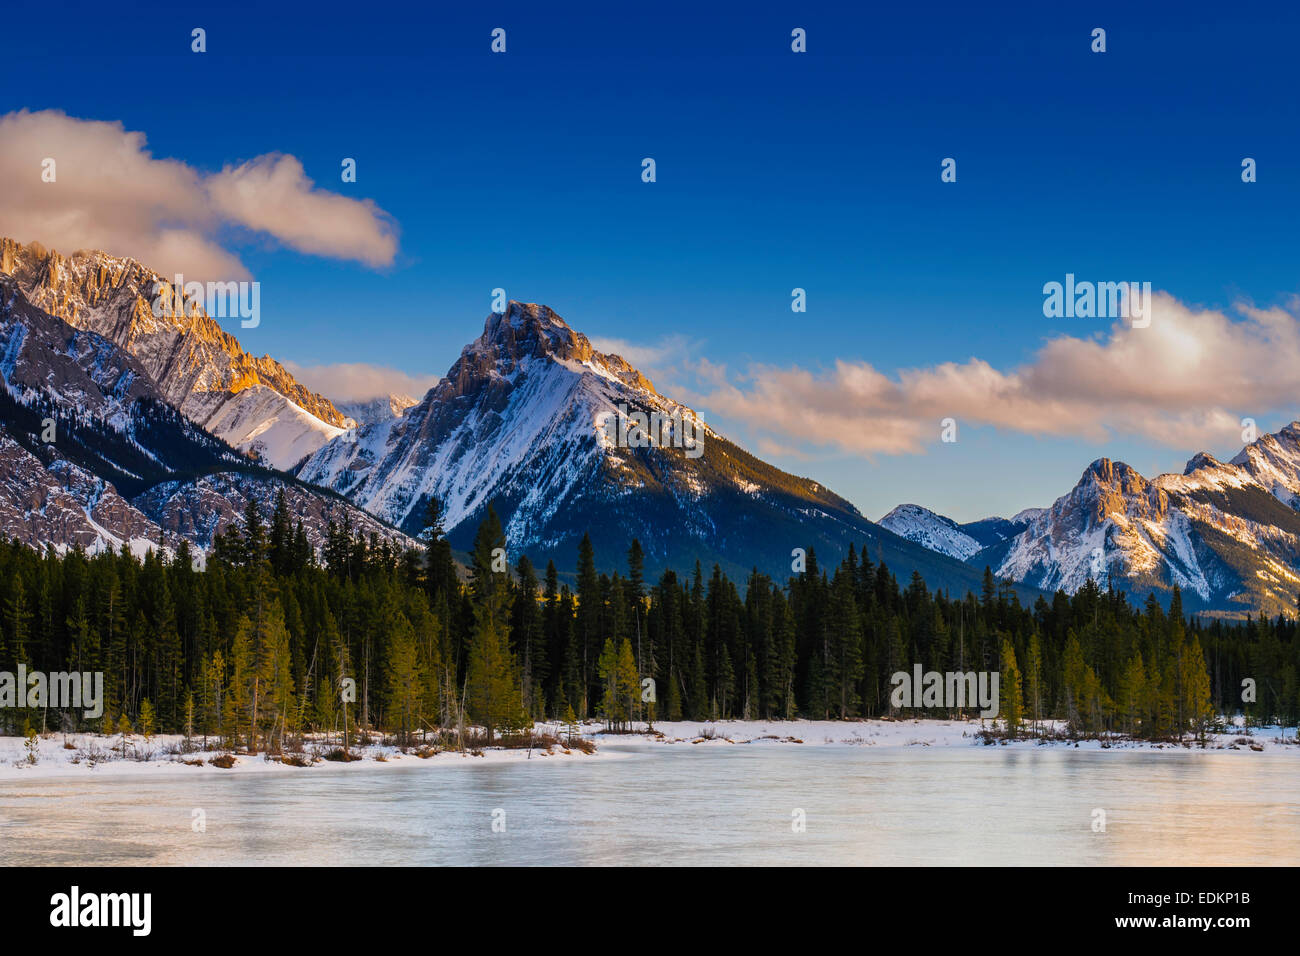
(648, 357)
(1185, 381)
(359, 382)
(109, 192)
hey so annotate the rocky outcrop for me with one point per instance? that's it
(198, 367)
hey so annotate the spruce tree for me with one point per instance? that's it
(1011, 705)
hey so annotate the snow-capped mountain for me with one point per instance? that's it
(93, 456)
(526, 419)
(990, 532)
(67, 506)
(944, 535)
(1227, 534)
(376, 409)
(931, 530)
(200, 509)
(252, 403)
(86, 400)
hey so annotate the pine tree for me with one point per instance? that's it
(1133, 695)
(124, 728)
(607, 669)
(405, 684)
(1034, 679)
(1011, 705)
(281, 537)
(146, 718)
(493, 698)
(588, 620)
(1197, 705)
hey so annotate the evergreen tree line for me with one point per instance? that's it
(269, 642)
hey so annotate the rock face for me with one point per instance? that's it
(520, 421)
(198, 367)
(199, 510)
(1228, 535)
(83, 426)
(77, 395)
(66, 506)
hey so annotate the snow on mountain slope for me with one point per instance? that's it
(78, 392)
(82, 425)
(78, 372)
(977, 542)
(1274, 462)
(66, 506)
(931, 531)
(1226, 533)
(199, 510)
(63, 505)
(520, 421)
(198, 367)
(1114, 522)
(376, 409)
(520, 414)
(261, 420)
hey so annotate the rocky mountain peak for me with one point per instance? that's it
(1200, 461)
(1109, 488)
(528, 331)
(253, 403)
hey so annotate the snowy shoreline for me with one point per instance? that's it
(157, 755)
(926, 733)
(152, 756)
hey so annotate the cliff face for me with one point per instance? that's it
(199, 367)
(92, 456)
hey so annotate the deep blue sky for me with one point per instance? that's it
(774, 171)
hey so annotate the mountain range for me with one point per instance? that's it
(96, 452)
(251, 403)
(1227, 534)
(164, 428)
(521, 421)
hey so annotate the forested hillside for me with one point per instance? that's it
(256, 648)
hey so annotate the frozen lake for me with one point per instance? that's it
(680, 805)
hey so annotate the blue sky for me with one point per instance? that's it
(774, 171)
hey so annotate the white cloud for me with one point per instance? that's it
(1185, 381)
(111, 193)
(647, 357)
(272, 194)
(359, 382)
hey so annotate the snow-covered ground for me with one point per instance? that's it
(913, 733)
(99, 754)
(95, 753)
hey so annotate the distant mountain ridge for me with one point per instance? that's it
(252, 403)
(961, 541)
(378, 409)
(520, 421)
(1226, 534)
(92, 454)
(152, 413)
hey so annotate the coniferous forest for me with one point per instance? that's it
(269, 642)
